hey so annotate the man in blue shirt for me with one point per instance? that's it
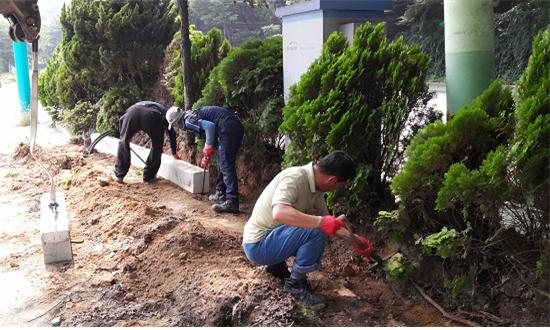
(147, 116)
(224, 130)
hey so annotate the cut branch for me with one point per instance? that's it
(442, 311)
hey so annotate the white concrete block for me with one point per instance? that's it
(188, 176)
(54, 228)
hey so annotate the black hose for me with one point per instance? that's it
(96, 141)
(100, 137)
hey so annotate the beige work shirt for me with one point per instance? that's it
(294, 186)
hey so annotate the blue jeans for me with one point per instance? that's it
(230, 137)
(306, 244)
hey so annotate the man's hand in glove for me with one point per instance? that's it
(206, 154)
(364, 250)
(330, 225)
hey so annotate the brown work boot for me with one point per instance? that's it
(299, 289)
(227, 207)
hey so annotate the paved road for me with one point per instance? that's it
(10, 131)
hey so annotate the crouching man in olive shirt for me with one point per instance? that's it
(290, 218)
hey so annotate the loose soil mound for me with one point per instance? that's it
(159, 256)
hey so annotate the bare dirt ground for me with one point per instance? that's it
(159, 256)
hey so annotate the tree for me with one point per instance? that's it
(207, 50)
(188, 72)
(239, 20)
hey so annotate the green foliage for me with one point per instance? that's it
(516, 23)
(391, 224)
(397, 268)
(81, 118)
(206, 52)
(357, 99)
(105, 44)
(461, 284)
(467, 139)
(423, 20)
(484, 187)
(529, 154)
(481, 183)
(249, 82)
(239, 21)
(47, 81)
(515, 29)
(113, 104)
(441, 244)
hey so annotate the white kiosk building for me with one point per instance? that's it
(306, 26)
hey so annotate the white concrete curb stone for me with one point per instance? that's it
(182, 173)
(54, 229)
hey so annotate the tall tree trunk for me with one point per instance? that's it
(188, 73)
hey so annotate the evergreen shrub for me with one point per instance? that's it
(359, 99)
(249, 82)
(107, 44)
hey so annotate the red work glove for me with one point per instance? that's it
(330, 225)
(206, 153)
(368, 247)
(177, 157)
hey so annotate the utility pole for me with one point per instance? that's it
(469, 50)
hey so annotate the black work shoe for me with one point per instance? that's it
(279, 270)
(217, 197)
(227, 206)
(299, 290)
(152, 181)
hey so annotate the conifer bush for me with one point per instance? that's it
(359, 99)
(529, 153)
(107, 44)
(483, 175)
(249, 82)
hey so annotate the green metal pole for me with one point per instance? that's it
(469, 50)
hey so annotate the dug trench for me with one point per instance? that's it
(156, 255)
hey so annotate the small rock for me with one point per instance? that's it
(103, 182)
(56, 321)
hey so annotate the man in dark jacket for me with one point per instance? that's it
(224, 130)
(147, 116)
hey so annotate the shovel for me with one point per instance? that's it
(346, 233)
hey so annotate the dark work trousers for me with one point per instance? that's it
(139, 118)
(230, 135)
